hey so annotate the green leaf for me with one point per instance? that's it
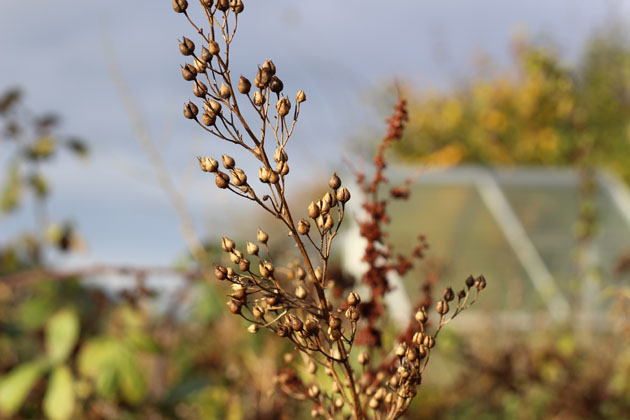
(62, 333)
(15, 386)
(59, 398)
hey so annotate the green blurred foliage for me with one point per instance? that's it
(542, 113)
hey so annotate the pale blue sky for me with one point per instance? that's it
(338, 52)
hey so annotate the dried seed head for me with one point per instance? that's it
(209, 119)
(282, 331)
(313, 210)
(363, 358)
(206, 55)
(271, 299)
(470, 281)
(343, 195)
(262, 79)
(421, 316)
(324, 206)
(258, 312)
(422, 351)
(352, 314)
(237, 6)
(276, 85)
(190, 110)
(338, 402)
(480, 283)
(429, 341)
(282, 168)
(235, 306)
(253, 328)
(353, 299)
(313, 391)
(411, 354)
(188, 72)
(224, 91)
(401, 350)
(222, 180)
(243, 264)
(311, 326)
(374, 403)
(335, 181)
(334, 334)
(252, 248)
(328, 222)
(200, 90)
(200, 65)
(239, 177)
(283, 106)
(223, 5)
(207, 3)
(449, 295)
(334, 322)
(393, 381)
(318, 273)
(239, 292)
(228, 162)
(227, 244)
(180, 6)
(329, 200)
(262, 236)
(273, 177)
(244, 85)
(461, 294)
(417, 339)
(213, 47)
(220, 272)
(234, 258)
(187, 47)
(280, 155)
(295, 323)
(300, 97)
(300, 292)
(259, 99)
(301, 274)
(213, 107)
(442, 307)
(263, 175)
(269, 67)
(303, 227)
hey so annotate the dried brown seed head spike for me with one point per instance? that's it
(200, 90)
(335, 181)
(243, 264)
(244, 85)
(188, 72)
(300, 97)
(273, 177)
(480, 282)
(295, 323)
(303, 227)
(343, 195)
(227, 244)
(449, 295)
(220, 272)
(224, 91)
(353, 299)
(429, 341)
(421, 316)
(214, 107)
(206, 55)
(235, 306)
(276, 84)
(180, 6)
(328, 222)
(262, 79)
(209, 119)
(252, 248)
(208, 164)
(190, 110)
(223, 5)
(239, 178)
(313, 210)
(213, 47)
(187, 47)
(442, 307)
(237, 6)
(228, 162)
(222, 180)
(283, 106)
(200, 65)
(263, 175)
(259, 99)
(334, 322)
(262, 236)
(280, 155)
(269, 67)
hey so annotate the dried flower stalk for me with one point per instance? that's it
(292, 300)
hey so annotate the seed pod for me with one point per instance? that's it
(258, 312)
(300, 292)
(235, 306)
(244, 85)
(213, 106)
(374, 403)
(411, 354)
(269, 267)
(338, 402)
(190, 110)
(200, 90)
(220, 272)
(239, 178)
(224, 91)
(227, 244)
(343, 195)
(363, 358)
(213, 47)
(273, 177)
(263, 271)
(313, 210)
(417, 339)
(334, 321)
(353, 299)
(180, 6)
(296, 324)
(259, 99)
(252, 248)
(324, 206)
(335, 181)
(209, 119)
(207, 3)
(328, 199)
(223, 5)
(243, 264)
(334, 334)
(237, 6)
(276, 85)
(280, 155)
(401, 350)
(449, 295)
(422, 351)
(311, 326)
(313, 391)
(301, 274)
(208, 164)
(283, 106)
(282, 331)
(393, 381)
(253, 328)
(262, 237)
(461, 294)
(263, 175)
(303, 227)
(480, 283)
(318, 273)
(429, 341)
(222, 180)
(239, 292)
(228, 162)
(206, 55)
(352, 314)
(282, 168)
(421, 316)
(269, 67)
(188, 72)
(470, 281)
(328, 222)
(300, 97)
(262, 79)
(200, 65)
(442, 307)
(271, 299)
(187, 47)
